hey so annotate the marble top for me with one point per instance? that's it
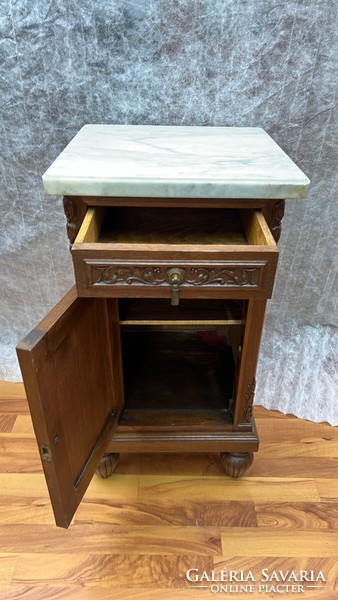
(164, 161)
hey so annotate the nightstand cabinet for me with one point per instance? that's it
(173, 234)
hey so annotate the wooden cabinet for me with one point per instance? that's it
(155, 349)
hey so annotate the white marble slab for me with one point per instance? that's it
(187, 162)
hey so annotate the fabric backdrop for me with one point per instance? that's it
(260, 63)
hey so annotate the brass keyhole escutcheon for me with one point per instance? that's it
(175, 278)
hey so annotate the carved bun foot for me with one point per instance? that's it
(107, 465)
(236, 463)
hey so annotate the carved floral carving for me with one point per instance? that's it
(128, 275)
(191, 276)
(229, 276)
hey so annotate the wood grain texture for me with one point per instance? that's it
(290, 543)
(297, 515)
(135, 535)
(105, 539)
(174, 512)
(61, 382)
(6, 422)
(276, 489)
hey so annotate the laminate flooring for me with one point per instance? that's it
(137, 534)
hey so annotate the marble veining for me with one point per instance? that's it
(136, 160)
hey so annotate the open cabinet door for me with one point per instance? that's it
(73, 379)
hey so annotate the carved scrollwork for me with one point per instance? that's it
(248, 402)
(228, 276)
(275, 217)
(128, 275)
(75, 211)
(191, 276)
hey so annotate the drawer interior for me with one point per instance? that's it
(172, 226)
(179, 227)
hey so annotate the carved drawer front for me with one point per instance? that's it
(174, 253)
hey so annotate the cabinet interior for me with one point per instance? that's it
(179, 362)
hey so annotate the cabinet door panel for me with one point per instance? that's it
(73, 380)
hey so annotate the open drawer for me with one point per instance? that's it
(174, 253)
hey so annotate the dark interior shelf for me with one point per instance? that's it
(182, 378)
(217, 419)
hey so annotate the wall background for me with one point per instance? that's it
(177, 62)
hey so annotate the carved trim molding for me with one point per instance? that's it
(231, 276)
(249, 397)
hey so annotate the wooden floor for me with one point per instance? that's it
(137, 534)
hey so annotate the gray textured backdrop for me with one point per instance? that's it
(194, 62)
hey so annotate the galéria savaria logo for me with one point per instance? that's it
(275, 581)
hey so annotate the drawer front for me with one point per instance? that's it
(177, 270)
(116, 278)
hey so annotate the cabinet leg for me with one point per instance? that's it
(236, 463)
(107, 465)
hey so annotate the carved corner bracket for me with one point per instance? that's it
(274, 213)
(75, 210)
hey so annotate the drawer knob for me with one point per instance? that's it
(175, 278)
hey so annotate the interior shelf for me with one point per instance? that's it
(182, 378)
(139, 311)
